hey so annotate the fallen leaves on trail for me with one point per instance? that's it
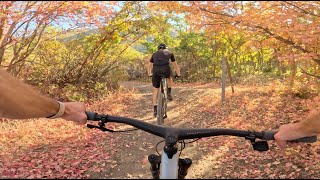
(67, 159)
(235, 158)
(258, 108)
(114, 103)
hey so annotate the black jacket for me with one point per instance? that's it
(162, 57)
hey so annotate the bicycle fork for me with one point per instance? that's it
(155, 162)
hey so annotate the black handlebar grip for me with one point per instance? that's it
(91, 115)
(269, 135)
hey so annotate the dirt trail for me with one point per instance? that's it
(131, 159)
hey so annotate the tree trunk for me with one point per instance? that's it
(229, 74)
(223, 79)
(293, 74)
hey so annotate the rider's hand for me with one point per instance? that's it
(177, 74)
(289, 132)
(305, 128)
(75, 111)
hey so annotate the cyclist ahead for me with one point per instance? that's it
(161, 66)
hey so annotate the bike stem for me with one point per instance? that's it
(171, 146)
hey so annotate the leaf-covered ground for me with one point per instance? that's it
(56, 149)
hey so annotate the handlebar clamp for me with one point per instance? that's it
(103, 120)
(257, 145)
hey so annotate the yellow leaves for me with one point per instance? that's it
(290, 21)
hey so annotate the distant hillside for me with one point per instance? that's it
(76, 34)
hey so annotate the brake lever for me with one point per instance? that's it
(257, 145)
(103, 129)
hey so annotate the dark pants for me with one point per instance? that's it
(159, 71)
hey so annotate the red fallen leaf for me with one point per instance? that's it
(16, 176)
(26, 158)
(76, 163)
(145, 160)
(19, 169)
(289, 164)
(39, 176)
(58, 168)
(32, 176)
(31, 164)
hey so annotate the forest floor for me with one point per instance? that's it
(42, 149)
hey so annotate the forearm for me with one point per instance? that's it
(149, 68)
(176, 68)
(311, 124)
(20, 101)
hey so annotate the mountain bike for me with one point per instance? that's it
(168, 165)
(163, 100)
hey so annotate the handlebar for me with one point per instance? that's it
(172, 135)
(176, 76)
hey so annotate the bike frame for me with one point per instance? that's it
(170, 166)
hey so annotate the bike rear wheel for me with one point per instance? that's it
(162, 102)
(160, 109)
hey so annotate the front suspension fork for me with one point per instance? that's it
(155, 161)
